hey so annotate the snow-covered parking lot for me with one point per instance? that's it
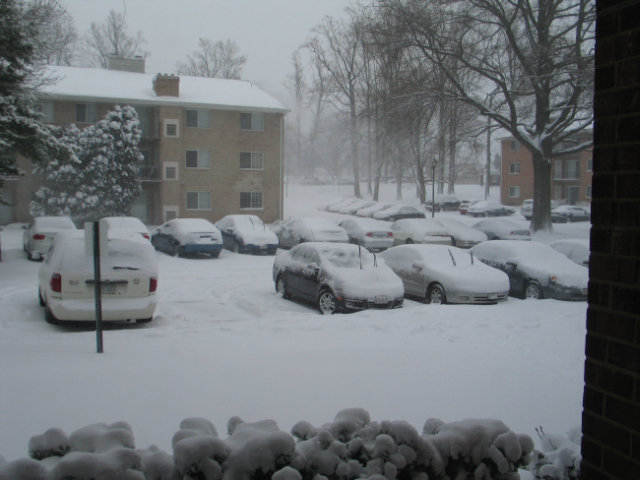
(223, 344)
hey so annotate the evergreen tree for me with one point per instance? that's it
(21, 132)
(102, 177)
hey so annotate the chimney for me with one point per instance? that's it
(166, 85)
(135, 64)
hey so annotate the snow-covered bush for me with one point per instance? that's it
(559, 457)
(350, 447)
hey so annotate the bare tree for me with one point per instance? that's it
(537, 56)
(56, 35)
(111, 38)
(219, 59)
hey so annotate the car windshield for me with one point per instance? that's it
(348, 258)
(250, 222)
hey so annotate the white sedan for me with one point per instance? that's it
(419, 230)
(309, 229)
(371, 234)
(128, 282)
(442, 274)
(462, 235)
(127, 224)
(40, 233)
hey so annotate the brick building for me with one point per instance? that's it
(611, 406)
(211, 146)
(570, 174)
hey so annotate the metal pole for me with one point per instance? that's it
(97, 285)
(433, 189)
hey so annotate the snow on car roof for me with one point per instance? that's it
(369, 223)
(125, 223)
(194, 224)
(54, 222)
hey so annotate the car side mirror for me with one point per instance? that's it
(315, 267)
(418, 266)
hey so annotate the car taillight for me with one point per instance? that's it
(145, 236)
(38, 236)
(56, 282)
(153, 284)
(369, 234)
(389, 234)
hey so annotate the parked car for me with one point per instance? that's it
(397, 211)
(535, 269)
(309, 229)
(338, 204)
(247, 234)
(370, 210)
(188, 236)
(352, 208)
(502, 229)
(444, 203)
(462, 235)
(129, 279)
(575, 249)
(336, 277)
(39, 234)
(570, 213)
(371, 234)
(526, 209)
(419, 230)
(464, 206)
(444, 274)
(128, 224)
(488, 208)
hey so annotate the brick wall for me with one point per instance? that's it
(611, 415)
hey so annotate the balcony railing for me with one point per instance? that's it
(150, 173)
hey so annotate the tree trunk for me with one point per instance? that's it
(541, 217)
(354, 150)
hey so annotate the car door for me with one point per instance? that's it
(228, 234)
(301, 275)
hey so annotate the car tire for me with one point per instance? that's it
(236, 247)
(532, 290)
(408, 241)
(281, 287)
(41, 300)
(215, 254)
(436, 295)
(326, 302)
(49, 318)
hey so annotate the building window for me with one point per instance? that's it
(197, 159)
(251, 200)
(514, 192)
(46, 108)
(198, 200)
(573, 169)
(171, 128)
(198, 119)
(514, 168)
(85, 112)
(588, 191)
(170, 170)
(252, 121)
(251, 160)
(590, 164)
(169, 212)
(515, 145)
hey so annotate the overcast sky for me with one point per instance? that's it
(267, 31)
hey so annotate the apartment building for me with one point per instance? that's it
(211, 147)
(570, 174)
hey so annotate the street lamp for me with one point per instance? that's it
(434, 163)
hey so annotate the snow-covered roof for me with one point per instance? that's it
(137, 88)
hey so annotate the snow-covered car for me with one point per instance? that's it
(39, 234)
(462, 235)
(570, 213)
(502, 229)
(129, 279)
(444, 274)
(464, 206)
(526, 209)
(443, 203)
(488, 208)
(535, 269)
(309, 229)
(352, 208)
(371, 234)
(336, 277)
(187, 236)
(575, 249)
(247, 234)
(127, 224)
(337, 205)
(396, 212)
(419, 230)
(373, 208)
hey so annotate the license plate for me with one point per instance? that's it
(108, 288)
(380, 299)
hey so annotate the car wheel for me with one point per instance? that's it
(215, 254)
(327, 302)
(236, 247)
(48, 316)
(408, 241)
(436, 295)
(41, 299)
(532, 290)
(281, 287)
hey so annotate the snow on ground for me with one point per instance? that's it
(224, 344)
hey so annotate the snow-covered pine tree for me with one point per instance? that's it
(103, 178)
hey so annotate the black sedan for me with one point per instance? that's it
(336, 277)
(570, 213)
